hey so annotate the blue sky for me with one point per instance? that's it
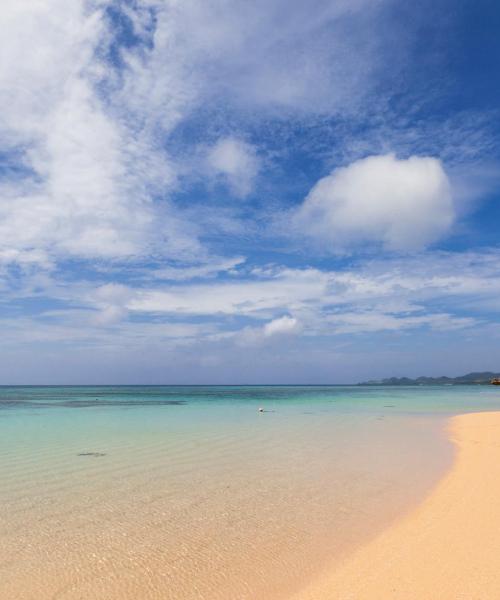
(230, 192)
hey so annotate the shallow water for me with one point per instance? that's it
(191, 492)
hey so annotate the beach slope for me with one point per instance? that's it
(449, 547)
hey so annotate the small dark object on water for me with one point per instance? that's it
(91, 454)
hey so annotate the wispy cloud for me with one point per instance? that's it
(407, 290)
(90, 176)
(201, 176)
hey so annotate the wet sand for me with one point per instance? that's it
(448, 547)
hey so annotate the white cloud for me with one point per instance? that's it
(91, 170)
(439, 296)
(79, 203)
(377, 321)
(44, 44)
(252, 297)
(402, 204)
(271, 332)
(236, 162)
(284, 54)
(384, 295)
(282, 326)
(110, 302)
(391, 287)
(93, 137)
(98, 135)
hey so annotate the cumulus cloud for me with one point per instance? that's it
(276, 329)
(281, 326)
(236, 163)
(402, 204)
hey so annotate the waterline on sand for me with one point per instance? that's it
(448, 547)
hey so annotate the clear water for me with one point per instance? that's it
(191, 492)
(443, 399)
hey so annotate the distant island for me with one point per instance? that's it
(482, 378)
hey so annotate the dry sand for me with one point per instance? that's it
(446, 549)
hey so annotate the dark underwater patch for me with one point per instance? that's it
(95, 454)
(97, 402)
(14, 403)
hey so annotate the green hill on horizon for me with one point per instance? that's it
(477, 378)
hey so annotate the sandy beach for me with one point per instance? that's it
(449, 547)
(363, 498)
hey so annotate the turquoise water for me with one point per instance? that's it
(171, 492)
(97, 415)
(432, 399)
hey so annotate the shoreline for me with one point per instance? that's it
(447, 547)
(245, 530)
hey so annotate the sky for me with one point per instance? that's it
(275, 191)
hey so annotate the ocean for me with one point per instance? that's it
(182, 493)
